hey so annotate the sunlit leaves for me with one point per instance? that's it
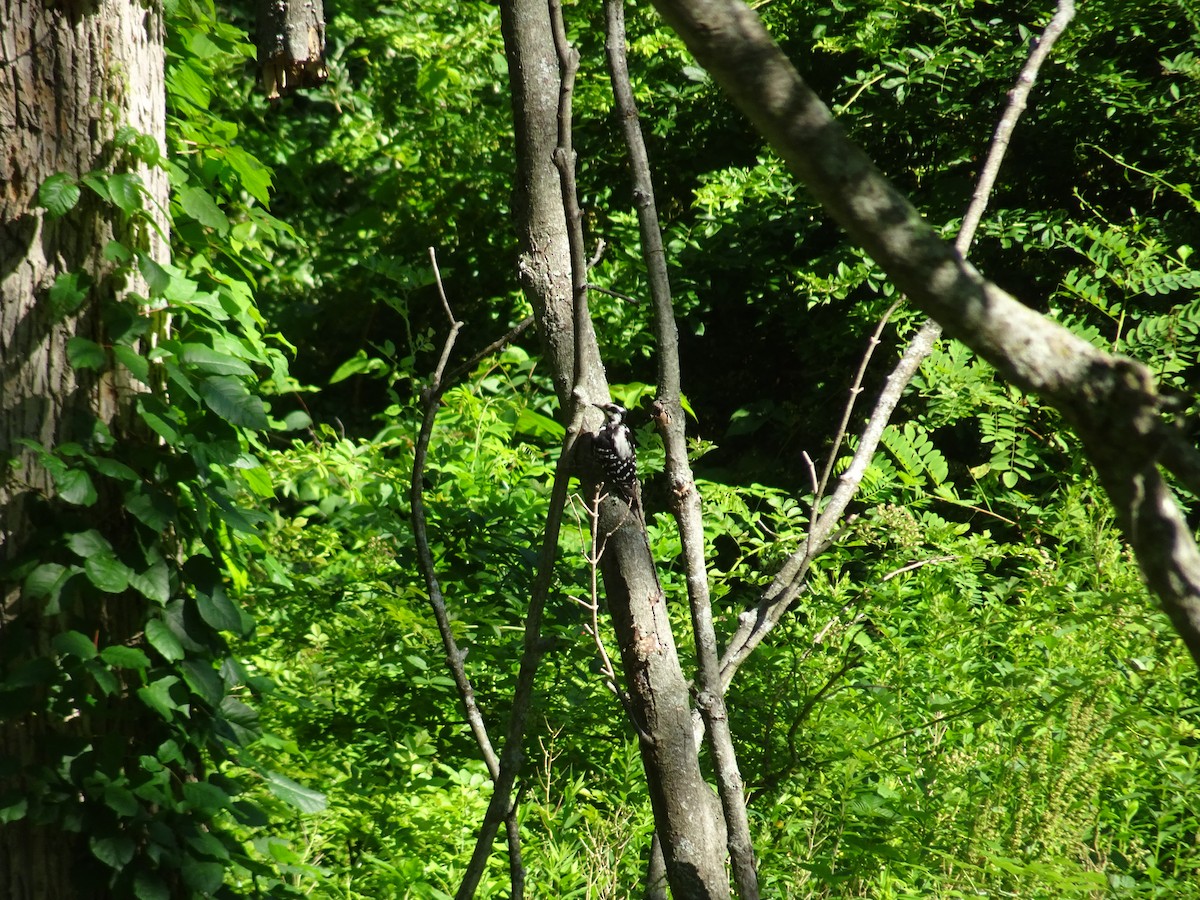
(59, 193)
(304, 799)
(229, 398)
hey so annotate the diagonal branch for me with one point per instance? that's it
(454, 656)
(788, 582)
(1111, 401)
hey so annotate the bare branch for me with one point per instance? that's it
(785, 587)
(620, 296)
(496, 345)
(593, 551)
(687, 505)
(454, 656)
(855, 389)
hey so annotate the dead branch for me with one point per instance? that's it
(785, 587)
(454, 657)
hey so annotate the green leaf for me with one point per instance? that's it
(58, 194)
(535, 424)
(302, 798)
(67, 294)
(163, 640)
(259, 480)
(157, 696)
(157, 278)
(123, 657)
(149, 886)
(133, 361)
(76, 487)
(230, 399)
(199, 204)
(98, 182)
(152, 509)
(213, 361)
(107, 573)
(206, 797)
(203, 679)
(115, 851)
(153, 584)
(46, 580)
(89, 543)
(111, 468)
(73, 643)
(202, 877)
(186, 83)
(115, 251)
(85, 354)
(218, 610)
(120, 798)
(250, 814)
(13, 810)
(104, 677)
(158, 416)
(255, 177)
(240, 719)
(355, 365)
(125, 190)
(296, 419)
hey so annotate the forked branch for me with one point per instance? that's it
(788, 582)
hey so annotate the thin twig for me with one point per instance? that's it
(454, 657)
(496, 345)
(620, 296)
(441, 289)
(784, 588)
(601, 246)
(856, 389)
(511, 758)
(593, 549)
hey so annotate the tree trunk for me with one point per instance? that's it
(686, 813)
(291, 45)
(71, 75)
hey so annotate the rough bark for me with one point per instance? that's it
(685, 495)
(544, 264)
(686, 816)
(1111, 401)
(70, 74)
(291, 45)
(554, 282)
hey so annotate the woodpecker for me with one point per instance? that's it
(614, 446)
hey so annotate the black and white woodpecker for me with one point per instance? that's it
(615, 450)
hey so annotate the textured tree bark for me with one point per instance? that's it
(70, 74)
(291, 45)
(686, 812)
(685, 495)
(684, 806)
(544, 264)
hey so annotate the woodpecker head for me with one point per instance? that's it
(614, 413)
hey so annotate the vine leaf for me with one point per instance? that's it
(59, 194)
(230, 399)
(163, 640)
(304, 799)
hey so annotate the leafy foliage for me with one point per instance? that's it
(973, 696)
(157, 777)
